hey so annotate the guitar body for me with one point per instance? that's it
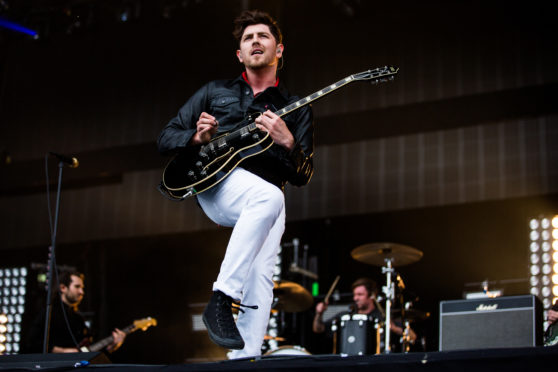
(551, 335)
(199, 168)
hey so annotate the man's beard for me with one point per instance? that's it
(74, 300)
(259, 65)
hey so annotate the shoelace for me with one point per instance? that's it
(237, 305)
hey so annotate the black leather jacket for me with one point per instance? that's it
(230, 101)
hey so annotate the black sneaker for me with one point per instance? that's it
(219, 322)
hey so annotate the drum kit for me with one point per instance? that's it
(353, 332)
(388, 256)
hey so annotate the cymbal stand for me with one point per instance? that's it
(389, 291)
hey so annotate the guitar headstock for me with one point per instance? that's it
(145, 323)
(377, 75)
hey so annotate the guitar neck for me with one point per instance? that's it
(100, 345)
(314, 96)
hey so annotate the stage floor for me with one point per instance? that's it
(515, 359)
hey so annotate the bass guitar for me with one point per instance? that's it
(198, 168)
(142, 324)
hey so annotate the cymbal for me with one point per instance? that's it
(410, 314)
(377, 254)
(291, 297)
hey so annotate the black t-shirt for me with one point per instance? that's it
(61, 332)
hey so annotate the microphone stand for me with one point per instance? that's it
(51, 262)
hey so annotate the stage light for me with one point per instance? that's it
(555, 290)
(2, 338)
(543, 257)
(18, 28)
(12, 298)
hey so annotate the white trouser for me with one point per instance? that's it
(256, 209)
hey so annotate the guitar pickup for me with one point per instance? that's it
(221, 143)
(244, 132)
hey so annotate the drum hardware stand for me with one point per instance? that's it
(389, 291)
(406, 338)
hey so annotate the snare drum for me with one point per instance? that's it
(289, 350)
(357, 335)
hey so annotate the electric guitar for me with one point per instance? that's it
(142, 324)
(198, 168)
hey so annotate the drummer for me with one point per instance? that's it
(364, 298)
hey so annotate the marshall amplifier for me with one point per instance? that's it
(514, 321)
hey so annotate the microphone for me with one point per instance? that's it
(71, 161)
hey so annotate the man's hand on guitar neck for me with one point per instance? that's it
(552, 316)
(277, 129)
(118, 338)
(206, 127)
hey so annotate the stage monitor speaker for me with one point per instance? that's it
(501, 322)
(58, 360)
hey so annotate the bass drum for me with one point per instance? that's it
(289, 350)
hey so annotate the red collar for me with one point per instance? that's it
(245, 77)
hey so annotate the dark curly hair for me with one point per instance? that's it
(255, 17)
(65, 277)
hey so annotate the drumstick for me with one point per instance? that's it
(326, 299)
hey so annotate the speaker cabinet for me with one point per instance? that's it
(501, 322)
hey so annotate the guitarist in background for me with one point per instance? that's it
(66, 336)
(250, 199)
